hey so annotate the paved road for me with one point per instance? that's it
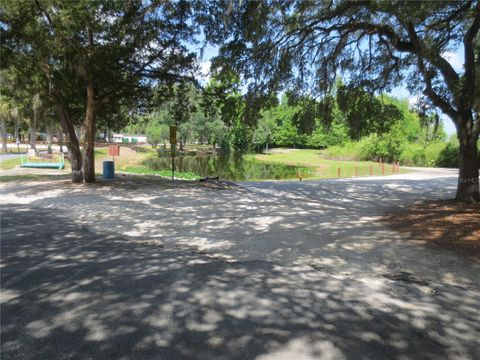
(9, 156)
(279, 270)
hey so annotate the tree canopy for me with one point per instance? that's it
(305, 45)
(110, 50)
(94, 62)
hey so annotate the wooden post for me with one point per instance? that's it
(383, 169)
(371, 170)
(338, 172)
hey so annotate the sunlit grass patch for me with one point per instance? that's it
(143, 170)
(324, 168)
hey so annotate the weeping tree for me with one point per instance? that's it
(14, 95)
(266, 126)
(303, 45)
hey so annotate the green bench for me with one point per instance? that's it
(45, 161)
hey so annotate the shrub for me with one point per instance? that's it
(419, 155)
(448, 157)
(348, 151)
(391, 149)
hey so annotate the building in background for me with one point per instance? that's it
(130, 138)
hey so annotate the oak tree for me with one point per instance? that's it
(305, 45)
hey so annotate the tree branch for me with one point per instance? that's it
(470, 84)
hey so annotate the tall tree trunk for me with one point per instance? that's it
(33, 130)
(60, 139)
(88, 155)
(49, 139)
(468, 184)
(17, 135)
(73, 145)
(4, 134)
(78, 133)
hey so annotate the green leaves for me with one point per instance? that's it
(365, 113)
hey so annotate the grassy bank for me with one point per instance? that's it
(433, 154)
(143, 170)
(323, 168)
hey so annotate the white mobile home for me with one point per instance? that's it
(130, 138)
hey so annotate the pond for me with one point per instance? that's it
(230, 167)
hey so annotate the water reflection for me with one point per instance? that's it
(231, 167)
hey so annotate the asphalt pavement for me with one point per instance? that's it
(275, 270)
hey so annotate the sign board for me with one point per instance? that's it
(114, 150)
(173, 134)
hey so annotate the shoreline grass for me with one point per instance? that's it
(143, 170)
(325, 168)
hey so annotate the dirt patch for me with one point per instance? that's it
(446, 224)
(128, 157)
(121, 181)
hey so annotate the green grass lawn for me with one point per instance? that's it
(323, 168)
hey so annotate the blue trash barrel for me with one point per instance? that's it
(108, 169)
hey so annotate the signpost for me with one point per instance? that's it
(173, 145)
(109, 166)
(114, 150)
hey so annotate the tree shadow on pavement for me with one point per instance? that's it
(69, 291)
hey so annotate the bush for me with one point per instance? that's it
(448, 157)
(371, 147)
(348, 151)
(390, 149)
(413, 155)
(393, 148)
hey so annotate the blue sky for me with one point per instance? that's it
(456, 60)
